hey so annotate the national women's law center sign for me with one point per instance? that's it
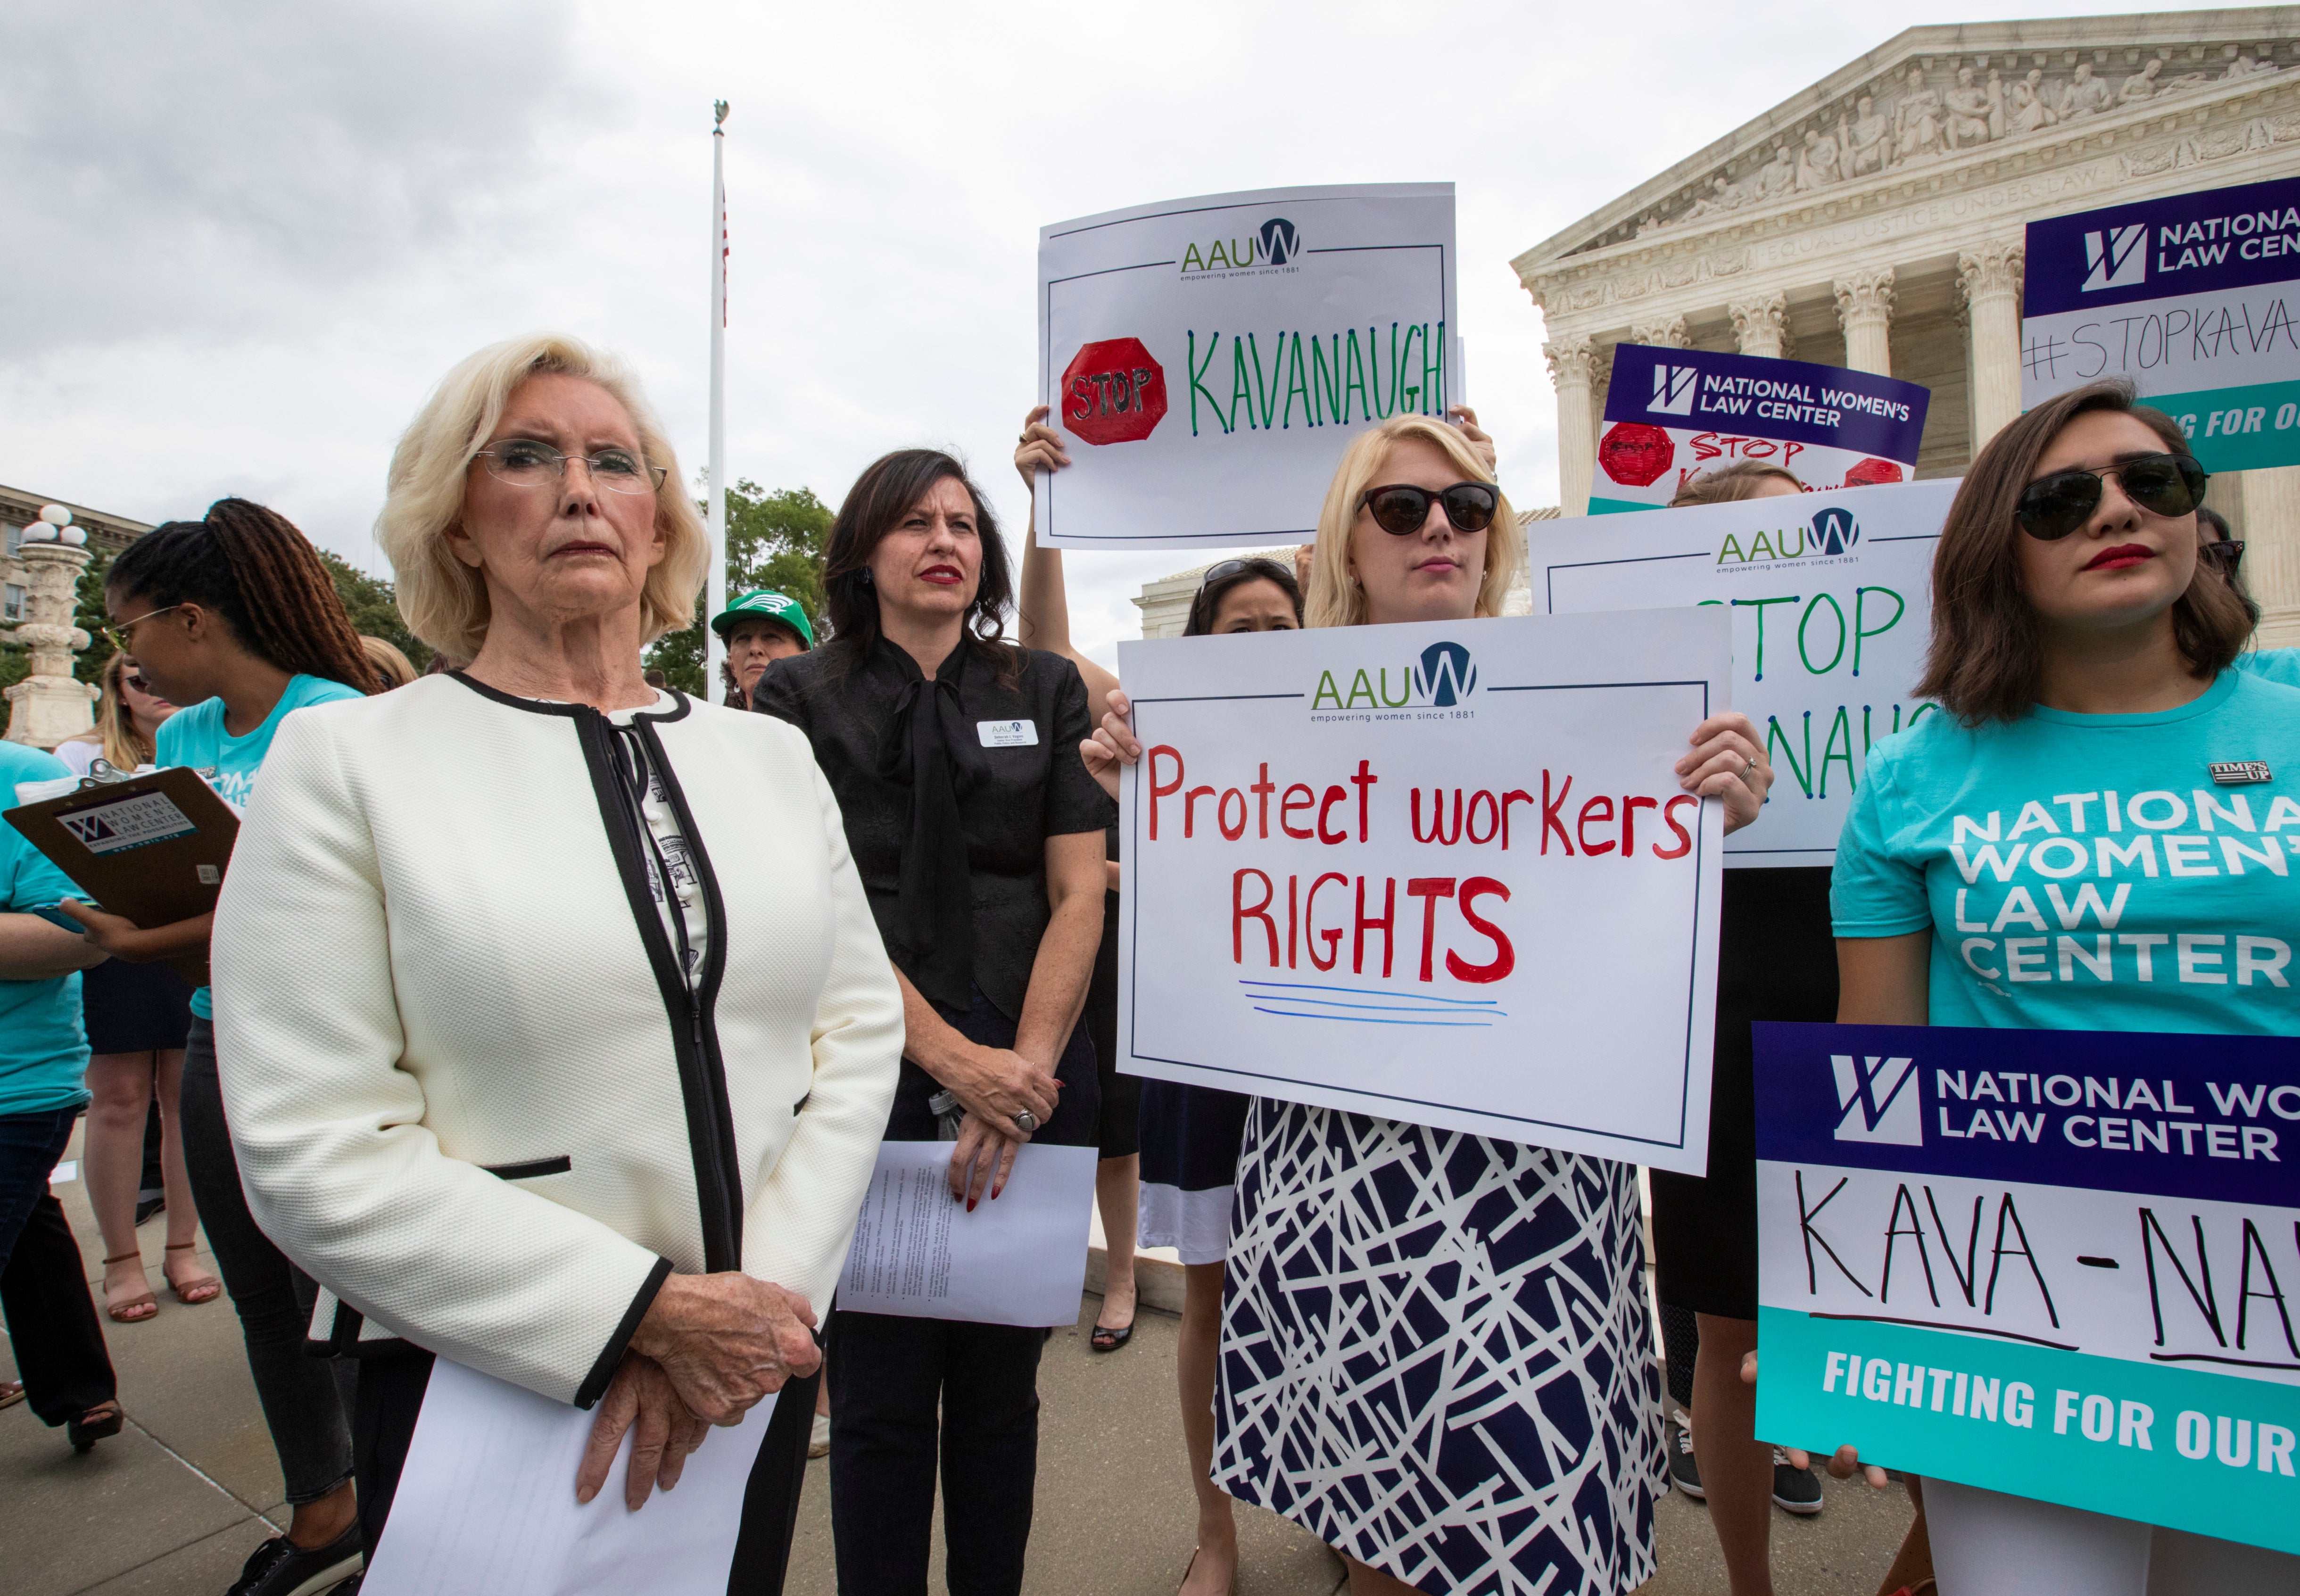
(2057, 1264)
(2192, 298)
(1671, 414)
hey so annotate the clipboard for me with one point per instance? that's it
(151, 849)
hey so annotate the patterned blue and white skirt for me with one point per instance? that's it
(1435, 1355)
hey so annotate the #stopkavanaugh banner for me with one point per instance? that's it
(1673, 413)
(1207, 359)
(1831, 601)
(2056, 1263)
(2192, 298)
(1439, 872)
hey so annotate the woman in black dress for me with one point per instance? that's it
(979, 836)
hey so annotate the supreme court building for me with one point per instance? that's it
(1875, 220)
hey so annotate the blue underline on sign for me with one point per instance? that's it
(1365, 1019)
(1371, 992)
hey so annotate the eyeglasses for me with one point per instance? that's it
(1401, 509)
(123, 636)
(2222, 556)
(2052, 507)
(525, 463)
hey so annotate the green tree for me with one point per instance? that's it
(773, 540)
(374, 605)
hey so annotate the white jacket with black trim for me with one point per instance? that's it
(470, 1092)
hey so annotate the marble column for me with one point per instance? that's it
(2272, 552)
(1572, 361)
(1988, 280)
(1762, 326)
(1864, 309)
(1601, 383)
(50, 704)
(1668, 333)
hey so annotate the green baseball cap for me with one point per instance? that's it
(767, 604)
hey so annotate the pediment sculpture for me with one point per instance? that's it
(1927, 118)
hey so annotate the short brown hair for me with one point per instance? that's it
(1729, 485)
(1987, 652)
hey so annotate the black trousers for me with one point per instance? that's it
(907, 1393)
(391, 1389)
(51, 1324)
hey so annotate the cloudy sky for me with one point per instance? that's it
(244, 240)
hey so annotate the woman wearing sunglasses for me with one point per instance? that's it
(138, 1016)
(1173, 1147)
(1537, 1469)
(2081, 651)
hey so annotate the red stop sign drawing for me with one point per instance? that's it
(1113, 393)
(1634, 454)
(1872, 472)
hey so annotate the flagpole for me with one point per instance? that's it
(715, 650)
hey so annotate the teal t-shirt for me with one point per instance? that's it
(2272, 665)
(194, 737)
(2085, 872)
(43, 1044)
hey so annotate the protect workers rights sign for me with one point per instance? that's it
(1440, 872)
(1830, 597)
(2055, 1263)
(1673, 413)
(2192, 298)
(1207, 359)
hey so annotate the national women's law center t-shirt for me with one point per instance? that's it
(2087, 872)
(195, 736)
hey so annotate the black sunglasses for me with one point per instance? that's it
(1267, 569)
(2052, 507)
(1401, 509)
(2222, 556)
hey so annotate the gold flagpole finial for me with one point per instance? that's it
(720, 108)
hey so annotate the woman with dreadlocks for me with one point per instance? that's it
(235, 617)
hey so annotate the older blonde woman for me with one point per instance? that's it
(1435, 1346)
(555, 1030)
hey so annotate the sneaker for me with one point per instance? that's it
(1683, 1471)
(1795, 1489)
(280, 1568)
(818, 1442)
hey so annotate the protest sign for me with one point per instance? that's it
(1439, 872)
(2055, 1263)
(1831, 601)
(1207, 359)
(1673, 413)
(2192, 298)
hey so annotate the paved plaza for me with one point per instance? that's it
(173, 1505)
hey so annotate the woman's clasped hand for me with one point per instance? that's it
(711, 1348)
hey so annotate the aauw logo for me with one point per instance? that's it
(1281, 241)
(1877, 1099)
(1440, 679)
(1673, 389)
(1835, 531)
(2116, 258)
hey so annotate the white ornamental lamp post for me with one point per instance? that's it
(51, 703)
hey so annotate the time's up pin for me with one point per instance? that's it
(2238, 773)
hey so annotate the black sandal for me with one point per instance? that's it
(99, 1423)
(1107, 1339)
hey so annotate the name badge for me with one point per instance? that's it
(2238, 773)
(1007, 734)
